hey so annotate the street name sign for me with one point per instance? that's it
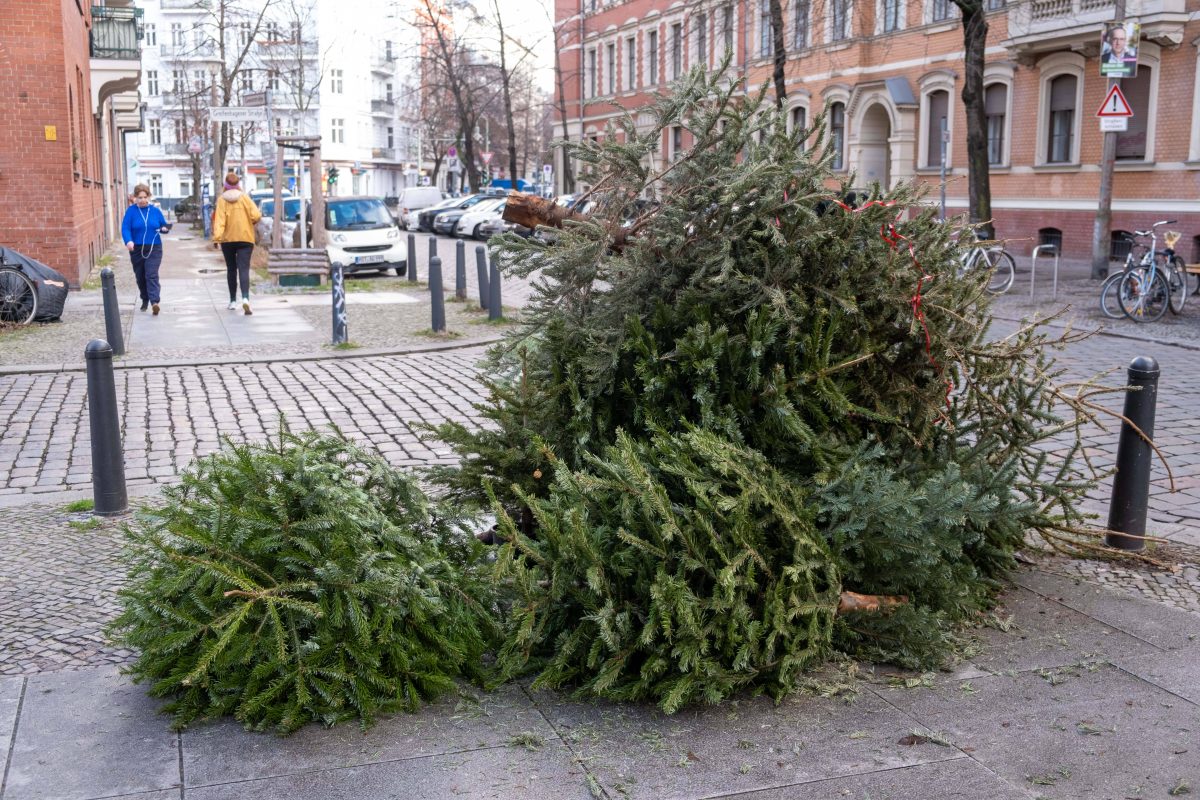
(237, 114)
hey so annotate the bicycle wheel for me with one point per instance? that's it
(1144, 298)
(1109, 305)
(1177, 283)
(18, 297)
(1004, 271)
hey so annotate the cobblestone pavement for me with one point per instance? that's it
(58, 583)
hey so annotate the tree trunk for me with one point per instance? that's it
(508, 110)
(780, 52)
(979, 191)
(568, 176)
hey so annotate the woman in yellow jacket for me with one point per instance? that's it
(233, 229)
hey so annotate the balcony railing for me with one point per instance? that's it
(383, 107)
(1042, 23)
(116, 32)
(185, 52)
(286, 48)
(185, 4)
(175, 149)
(384, 153)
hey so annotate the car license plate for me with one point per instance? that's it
(368, 259)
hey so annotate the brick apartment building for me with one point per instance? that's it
(889, 72)
(69, 72)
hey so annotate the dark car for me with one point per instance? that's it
(425, 218)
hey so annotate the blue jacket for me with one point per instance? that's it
(141, 227)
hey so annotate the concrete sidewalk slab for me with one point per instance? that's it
(637, 752)
(487, 774)
(958, 779)
(1101, 733)
(10, 702)
(223, 752)
(1176, 671)
(89, 734)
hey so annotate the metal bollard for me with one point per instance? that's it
(481, 271)
(437, 294)
(460, 270)
(412, 258)
(108, 460)
(1131, 484)
(495, 309)
(112, 312)
(432, 245)
(337, 283)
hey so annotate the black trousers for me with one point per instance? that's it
(237, 266)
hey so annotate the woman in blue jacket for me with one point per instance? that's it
(140, 229)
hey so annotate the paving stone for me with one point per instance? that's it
(224, 752)
(90, 734)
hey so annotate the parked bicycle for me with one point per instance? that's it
(1146, 288)
(18, 295)
(977, 255)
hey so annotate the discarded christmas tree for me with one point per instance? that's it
(734, 401)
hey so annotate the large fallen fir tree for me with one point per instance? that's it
(734, 402)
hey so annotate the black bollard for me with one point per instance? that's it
(432, 245)
(412, 258)
(481, 271)
(495, 309)
(460, 270)
(337, 283)
(437, 295)
(108, 461)
(1131, 484)
(112, 312)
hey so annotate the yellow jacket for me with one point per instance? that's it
(235, 217)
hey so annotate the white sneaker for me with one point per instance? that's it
(246, 306)
(232, 305)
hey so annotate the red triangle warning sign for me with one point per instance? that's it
(1115, 104)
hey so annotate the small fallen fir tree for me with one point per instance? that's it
(301, 580)
(735, 397)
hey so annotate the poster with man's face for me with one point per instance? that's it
(1118, 50)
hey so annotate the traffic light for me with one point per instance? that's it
(333, 174)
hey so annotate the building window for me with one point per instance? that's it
(336, 78)
(185, 187)
(727, 28)
(937, 119)
(1131, 143)
(995, 107)
(155, 127)
(1062, 119)
(891, 15)
(152, 82)
(273, 80)
(702, 39)
(177, 81)
(295, 37)
(247, 80)
(150, 34)
(837, 134)
(630, 63)
(652, 58)
(337, 131)
(610, 68)
(387, 51)
(839, 20)
(799, 119)
(177, 35)
(272, 31)
(995, 5)
(387, 92)
(589, 78)
(676, 142)
(391, 138)
(181, 133)
(765, 40)
(941, 10)
(199, 80)
(1050, 236)
(156, 185)
(800, 28)
(676, 49)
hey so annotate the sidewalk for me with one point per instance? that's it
(387, 314)
(1076, 691)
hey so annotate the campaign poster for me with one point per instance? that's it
(1118, 49)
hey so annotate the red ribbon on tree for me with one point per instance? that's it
(890, 234)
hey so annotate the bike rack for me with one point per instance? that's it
(1043, 249)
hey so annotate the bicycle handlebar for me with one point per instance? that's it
(1165, 222)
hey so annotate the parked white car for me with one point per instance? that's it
(470, 222)
(361, 235)
(414, 199)
(292, 207)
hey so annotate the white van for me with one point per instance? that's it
(415, 198)
(361, 235)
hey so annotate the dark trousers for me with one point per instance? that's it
(237, 266)
(146, 261)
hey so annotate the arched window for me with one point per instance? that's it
(937, 119)
(1060, 136)
(1132, 143)
(1051, 236)
(995, 107)
(837, 134)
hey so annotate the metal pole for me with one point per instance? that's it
(460, 270)
(1101, 245)
(277, 230)
(481, 271)
(437, 294)
(432, 245)
(412, 258)
(338, 284)
(1131, 485)
(112, 311)
(108, 460)
(494, 306)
